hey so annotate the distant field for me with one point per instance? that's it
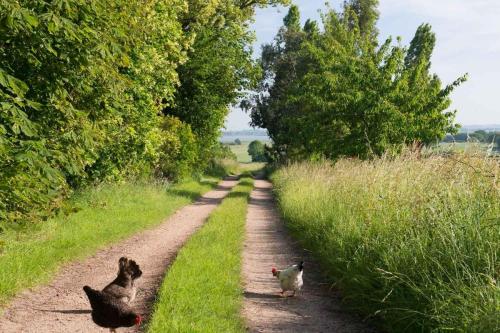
(241, 152)
(468, 147)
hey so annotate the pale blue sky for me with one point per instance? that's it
(468, 41)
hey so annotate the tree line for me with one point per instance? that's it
(338, 91)
(103, 90)
(477, 136)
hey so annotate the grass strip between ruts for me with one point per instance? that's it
(202, 290)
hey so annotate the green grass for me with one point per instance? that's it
(202, 290)
(97, 216)
(412, 241)
(241, 152)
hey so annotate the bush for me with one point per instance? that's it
(257, 151)
(79, 89)
(223, 163)
(178, 151)
(411, 240)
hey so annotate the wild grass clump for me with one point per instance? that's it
(202, 290)
(414, 241)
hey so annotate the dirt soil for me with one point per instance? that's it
(267, 245)
(62, 306)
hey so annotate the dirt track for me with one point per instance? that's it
(267, 244)
(62, 305)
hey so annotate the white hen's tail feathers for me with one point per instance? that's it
(291, 277)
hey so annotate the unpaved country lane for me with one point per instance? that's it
(267, 244)
(62, 305)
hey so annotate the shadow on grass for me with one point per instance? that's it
(238, 194)
(193, 195)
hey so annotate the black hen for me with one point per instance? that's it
(124, 286)
(110, 312)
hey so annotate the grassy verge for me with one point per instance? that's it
(414, 241)
(202, 290)
(94, 218)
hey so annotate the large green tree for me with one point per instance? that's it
(338, 93)
(219, 69)
(83, 87)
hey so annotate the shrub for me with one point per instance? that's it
(178, 151)
(257, 151)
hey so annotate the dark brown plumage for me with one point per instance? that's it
(110, 312)
(124, 287)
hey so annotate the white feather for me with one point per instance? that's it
(291, 278)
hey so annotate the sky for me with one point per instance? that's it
(468, 41)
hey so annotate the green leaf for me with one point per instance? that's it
(32, 20)
(17, 86)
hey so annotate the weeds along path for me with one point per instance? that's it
(62, 305)
(316, 309)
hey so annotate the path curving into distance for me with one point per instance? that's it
(61, 306)
(267, 244)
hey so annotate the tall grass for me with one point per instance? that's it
(92, 219)
(202, 291)
(413, 241)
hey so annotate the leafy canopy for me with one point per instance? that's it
(337, 92)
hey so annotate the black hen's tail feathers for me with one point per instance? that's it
(94, 296)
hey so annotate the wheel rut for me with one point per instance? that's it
(61, 306)
(267, 244)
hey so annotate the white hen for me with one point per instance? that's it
(290, 278)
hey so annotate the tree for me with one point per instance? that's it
(237, 142)
(337, 93)
(220, 68)
(480, 135)
(256, 150)
(365, 17)
(85, 87)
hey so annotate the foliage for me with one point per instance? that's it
(83, 85)
(78, 93)
(219, 68)
(178, 151)
(202, 290)
(223, 162)
(92, 218)
(256, 150)
(336, 92)
(411, 240)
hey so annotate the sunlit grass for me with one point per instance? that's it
(92, 219)
(413, 241)
(241, 152)
(202, 290)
